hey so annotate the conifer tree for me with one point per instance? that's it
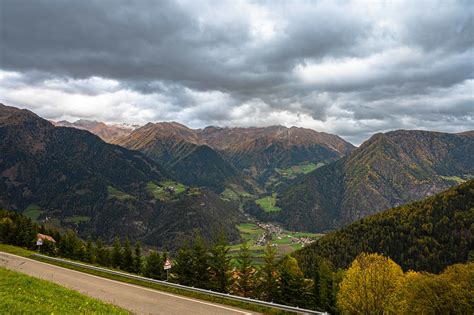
(117, 253)
(103, 255)
(269, 275)
(90, 256)
(244, 285)
(200, 263)
(137, 259)
(219, 264)
(153, 266)
(292, 287)
(182, 269)
(127, 257)
(324, 286)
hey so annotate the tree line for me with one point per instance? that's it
(427, 235)
(373, 283)
(196, 263)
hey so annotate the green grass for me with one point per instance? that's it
(202, 296)
(296, 170)
(165, 190)
(229, 194)
(77, 219)
(22, 294)
(234, 192)
(15, 250)
(33, 212)
(268, 203)
(249, 232)
(455, 179)
(178, 187)
(197, 295)
(118, 194)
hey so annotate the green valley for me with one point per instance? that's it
(268, 203)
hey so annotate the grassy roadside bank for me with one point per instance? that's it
(201, 296)
(23, 294)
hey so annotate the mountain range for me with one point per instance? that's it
(107, 132)
(162, 181)
(426, 235)
(237, 159)
(386, 171)
(71, 178)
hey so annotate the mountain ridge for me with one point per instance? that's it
(385, 171)
(71, 178)
(253, 152)
(426, 235)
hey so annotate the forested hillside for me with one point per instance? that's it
(427, 235)
(71, 178)
(386, 171)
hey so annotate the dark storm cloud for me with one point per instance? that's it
(351, 68)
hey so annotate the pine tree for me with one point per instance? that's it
(137, 259)
(219, 264)
(90, 256)
(269, 275)
(244, 285)
(153, 266)
(117, 253)
(127, 257)
(102, 254)
(323, 287)
(182, 269)
(292, 288)
(200, 263)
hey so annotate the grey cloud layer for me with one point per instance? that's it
(351, 68)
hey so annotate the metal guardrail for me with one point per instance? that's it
(183, 287)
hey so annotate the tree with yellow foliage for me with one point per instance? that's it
(451, 292)
(368, 285)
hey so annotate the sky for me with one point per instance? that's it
(352, 68)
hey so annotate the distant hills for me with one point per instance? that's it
(386, 171)
(180, 151)
(106, 132)
(218, 157)
(167, 179)
(71, 178)
(427, 235)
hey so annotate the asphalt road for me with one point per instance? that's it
(134, 298)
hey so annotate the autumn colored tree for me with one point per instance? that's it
(451, 292)
(369, 284)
